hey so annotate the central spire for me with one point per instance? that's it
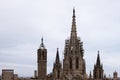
(73, 29)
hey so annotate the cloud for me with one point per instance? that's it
(23, 23)
(21, 68)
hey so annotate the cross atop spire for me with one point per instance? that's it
(42, 44)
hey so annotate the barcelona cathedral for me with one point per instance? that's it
(74, 65)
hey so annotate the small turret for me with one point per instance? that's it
(98, 69)
(57, 69)
(115, 76)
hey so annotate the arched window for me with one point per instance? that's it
(45, 56)
(100, 74)
(42, 55)
(58, 74)
(77, 63)
(39, 56)
(70, 62)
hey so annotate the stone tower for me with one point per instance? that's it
(90, 76)
(42, 61)
(73, 62)
(57, 69)
(98, 69)
(115, 76)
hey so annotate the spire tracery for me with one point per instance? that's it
(73, 30)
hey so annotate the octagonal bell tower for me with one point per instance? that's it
(42, 61)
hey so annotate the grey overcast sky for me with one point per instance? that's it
(24, 22)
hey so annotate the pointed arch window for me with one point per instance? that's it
(70, 62)
(100, 74)
(77, 63)
(39, 56)
(42, 55)
(58, 74)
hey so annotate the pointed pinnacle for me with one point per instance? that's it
(73, 12)
(57, 57)
(98, 59)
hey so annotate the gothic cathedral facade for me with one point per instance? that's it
(73, 62)
(73, 66)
